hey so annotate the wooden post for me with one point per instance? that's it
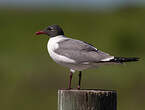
(87, 100)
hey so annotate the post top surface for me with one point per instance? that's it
(87, 90)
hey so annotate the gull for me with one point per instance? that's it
(75, 54)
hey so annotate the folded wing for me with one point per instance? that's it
(81, 51)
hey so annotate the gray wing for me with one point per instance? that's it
(80, 51)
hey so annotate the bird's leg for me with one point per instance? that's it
(80, 77)
(70, 79)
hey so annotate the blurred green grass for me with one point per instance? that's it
(29, 79)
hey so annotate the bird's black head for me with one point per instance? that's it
(52, 31)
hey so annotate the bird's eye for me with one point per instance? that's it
(50, 29)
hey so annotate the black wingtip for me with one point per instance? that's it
(123, 59)
(136, 59)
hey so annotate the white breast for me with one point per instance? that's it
(52, 46)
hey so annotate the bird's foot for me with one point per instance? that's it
(78, 87)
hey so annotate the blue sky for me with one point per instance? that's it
(99, 3)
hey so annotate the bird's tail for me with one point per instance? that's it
(123, 59)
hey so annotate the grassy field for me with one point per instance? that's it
(29, 79)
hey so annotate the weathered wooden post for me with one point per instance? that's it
(87, 100)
